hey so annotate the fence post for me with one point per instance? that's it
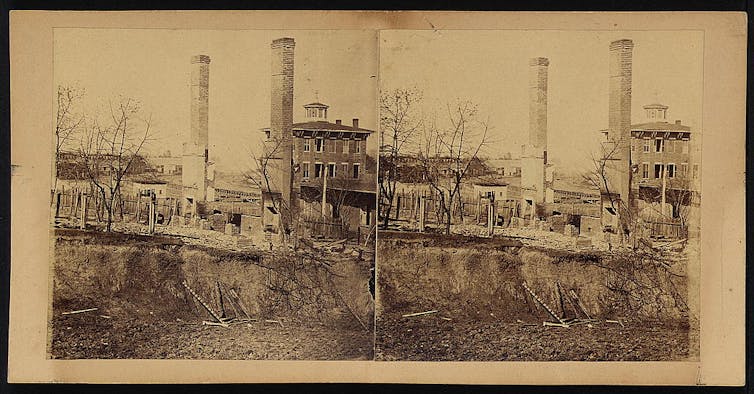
(83, 211)
(422, 205)
(152, 212)
(57, 204)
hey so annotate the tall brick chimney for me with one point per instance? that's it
(534, 154)
(196, 149)
(619, 118)
(538, 103)
(281, 117)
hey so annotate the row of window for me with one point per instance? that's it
(345, 146)
(332, 170)
(672, 171)
(660, 145)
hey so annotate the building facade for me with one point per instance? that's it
(333, 180)
(659, 146)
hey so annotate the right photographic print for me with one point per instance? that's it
(539, 195)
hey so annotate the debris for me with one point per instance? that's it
(420, 313)
(616, 322)
(445, 318)
(211, 323)
(80, 311)
(551, 324)
(238, 301)
(201, 301)
(578, 303)
(547, 308)
(105, 316)
(220, 296)
(275, 321)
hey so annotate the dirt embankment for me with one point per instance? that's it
(318, 302)
(484, 312)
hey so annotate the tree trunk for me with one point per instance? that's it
(449, 215)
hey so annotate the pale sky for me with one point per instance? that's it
(337, 67)
(340, 68)
(490, 67)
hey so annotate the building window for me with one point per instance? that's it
(358, 146)
(684, 170)
(267, 133)
(659, 145)
(331, 170)
(355, 171)
(345, 169)
(670, 146)
(646, 146)
(345, 145)
(671, 170)
(696, 171)
(658, 170)
(305, 169)
(645, 170)
(317, 170)
(307, 146)
(319, 145)
(333, 146)
(685, 146)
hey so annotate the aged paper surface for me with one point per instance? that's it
(722, 118)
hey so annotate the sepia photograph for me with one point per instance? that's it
(539, 195)
(214, 194)
(418, 197)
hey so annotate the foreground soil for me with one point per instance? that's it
(432, 338)
(89, 335)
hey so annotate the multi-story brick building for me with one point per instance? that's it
(658, 144)
(662, 156)
(332, 157)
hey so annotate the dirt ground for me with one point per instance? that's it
(89, 335)
(485, 314)
(143, 311)
(431, 338)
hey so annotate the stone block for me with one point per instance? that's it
(218, 221)
(583, 242)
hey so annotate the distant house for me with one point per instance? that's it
(166, 165)
(505, 167)
(494, 191)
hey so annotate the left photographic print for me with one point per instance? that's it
(213, 194)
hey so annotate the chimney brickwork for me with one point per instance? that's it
(538, 102)
(281, 118)
(196, 149)
(619, 117)
(534, 154)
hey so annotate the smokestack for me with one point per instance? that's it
(338, 121)
(538, 103)
(197, 147)
(281, 116)
(619, 127)
(355, 123)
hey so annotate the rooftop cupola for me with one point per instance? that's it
(316, 111)
(656, 112)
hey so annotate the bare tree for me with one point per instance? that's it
(261, 175)
(448, 152)
(68, 119)
(110, 148)
(600, 178)
(399, 122)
